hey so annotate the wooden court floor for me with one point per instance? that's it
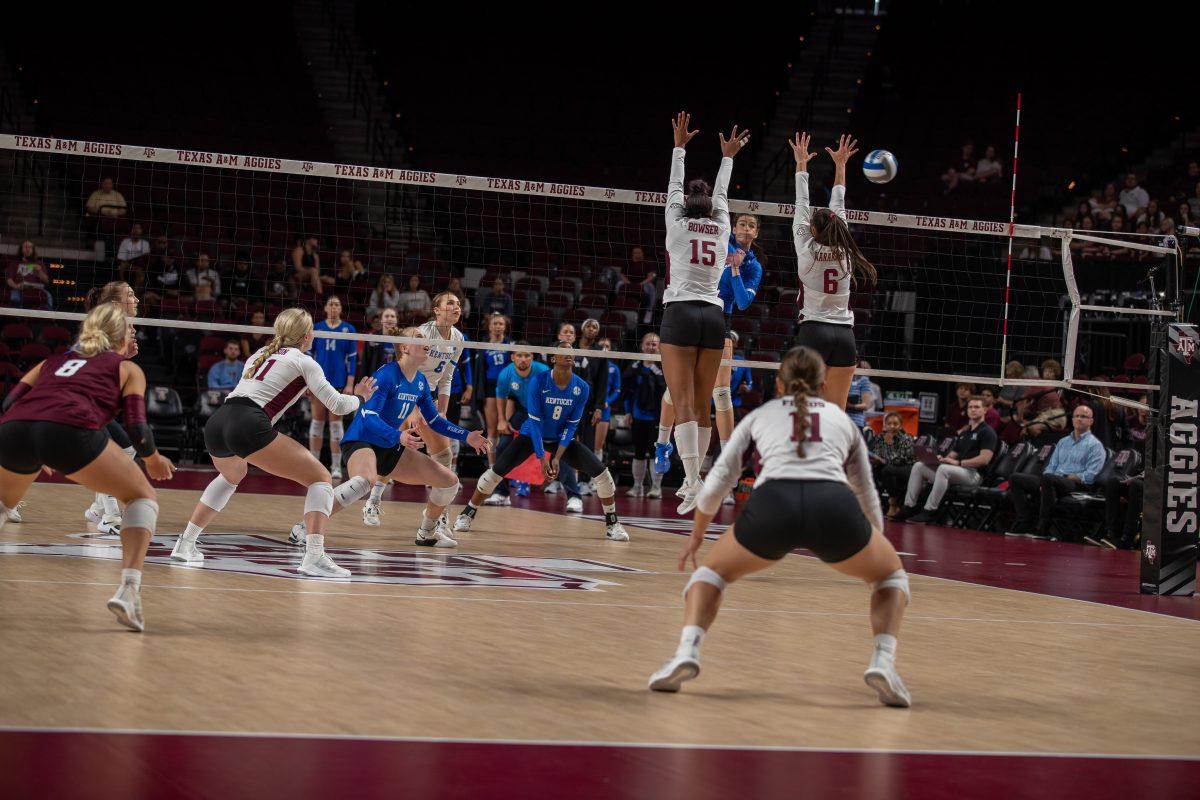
(467, 645)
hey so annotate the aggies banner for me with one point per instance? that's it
(1169, 524)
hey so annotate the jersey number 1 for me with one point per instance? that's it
(814, 427)
(704, 253)
(262, 372)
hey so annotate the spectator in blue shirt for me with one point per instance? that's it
(1074, 465)
(225, 374)
(860, 400)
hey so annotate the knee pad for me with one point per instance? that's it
(604, 484)
(705, 575)
(488, 482)
(217, 493)
(897, 580)
(444, 496)
(443, 457)
(319, 498)
(316, 429)
(352, 491)
(667, 397)
(130, 451)
(455, 446)
(722, 398)
(336, 430)
(141, 513)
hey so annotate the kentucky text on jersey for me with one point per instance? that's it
(554, 411)
(395, 398)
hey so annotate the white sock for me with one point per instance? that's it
(112, 508)
(609, 506)
(133, 576)
(656, 479)
(377, 492)
(723, 442)
(639, 471)
(664, 434)
(690, 640)
(885, 648)
(192, 532)
(335, 455)
(599, 451)
(427, 524)
(314, 543)
(703, 440)
(687, 440)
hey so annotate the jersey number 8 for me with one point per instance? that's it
(557, 412)
(69, 368)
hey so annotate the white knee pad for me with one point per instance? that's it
(897, 580)
(722, 398)
(444, 496)
(336, 430)
(319, 498)
(352, 491)
(705, 575)
(667, 397)
(604, 484)
(141, 513)
(316, 429)
(130, 451)
(217, 493)
(488, 482)
(443, 457)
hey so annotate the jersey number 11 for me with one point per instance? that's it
(814, 427)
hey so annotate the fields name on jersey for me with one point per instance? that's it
(1183, 461)
(515, 185)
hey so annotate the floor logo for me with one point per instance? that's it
(251, 554)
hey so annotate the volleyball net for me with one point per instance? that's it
(210, 240)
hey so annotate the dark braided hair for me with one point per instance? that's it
(832, 231)
(698, 201)
(801, 373)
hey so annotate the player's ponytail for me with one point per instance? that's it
(292, 326)
(697, 202)
(801, 373)
(831, 231)
(103, 329)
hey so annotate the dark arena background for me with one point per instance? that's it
(1038, 247)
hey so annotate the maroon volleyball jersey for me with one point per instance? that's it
(73, 390)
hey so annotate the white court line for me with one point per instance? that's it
(450, 599)
(775, 748)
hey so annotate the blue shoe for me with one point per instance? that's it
(522, 489)
(662, 457)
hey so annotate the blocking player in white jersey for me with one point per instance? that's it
(692, 336)
(829, 262)
(438, 370)
(814, 490)
(241, 433)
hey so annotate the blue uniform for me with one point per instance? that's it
(554, 412)
(379, 420)
(739, 376)
(614, 391)
(739, 290)
(495, 361)
(511, 384)
(338, 357)
(643, 388)
(462, 376)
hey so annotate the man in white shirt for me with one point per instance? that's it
(1133, 197)
(131, 257)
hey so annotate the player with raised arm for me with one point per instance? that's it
(378, 443)
(556, 402)
(814, 490)
(241, 433)
(338, 359)
(828, 261)
(693, 325)
(55, 417)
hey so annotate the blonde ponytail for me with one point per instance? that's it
(801, 373)
(103, 329)
(291, 327)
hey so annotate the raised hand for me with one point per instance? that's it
(847, 146)
(800, 147)
(733, 145)
(679, 127)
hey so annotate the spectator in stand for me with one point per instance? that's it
(892, 459)
(860, 400)
(1133, 197)
(966, 162)
(1182, 187)
(306, 262)
(278, 286)
(951, 179)
(644, 275)
(455, 287)
(1009, 395)
(1117, 225)
(1104, 205)
(239, 288)
(498, 301)
(1167, 229)
(225, 374)
(1122, 523)
(1074, 465)
(375, 354)
(876, 391)
(350, 274)
(1194, 202)
(1151, 216)
(1082, 212)
(642, 385)
(164, 278)
(106, 201)
(990, 413)
(1012, 427)
(1085, 250)
(252, 342)
(413, 299)
(1184, 216)
(970, 453)
(988, 169)
(26, 271)
(203, 291)
(956, 412)
(131, 258)
(203, 272)
(1049, 417)
(1136, 422)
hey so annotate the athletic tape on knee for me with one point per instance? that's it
(316, 429)
(352, 491)
(130, 451)
(705, 575)
(897, 580)
(336, 431)
(319, 498)
(217, 493)
(141, 513)
(445, 495)
(667, 397)
(604, 484)
(487, 482)
(722, 398)
(455, 444)
(443, 457)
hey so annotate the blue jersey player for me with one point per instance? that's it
(338, 359)
(555, 403)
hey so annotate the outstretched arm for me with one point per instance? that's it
(847, 146)
(802, 214)
(679, 127)
(729, 148)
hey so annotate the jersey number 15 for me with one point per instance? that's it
(704, 253)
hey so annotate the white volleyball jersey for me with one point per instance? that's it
(824, 279)
(281, 380)
(696, 248)
(834, 450)
(439, 368)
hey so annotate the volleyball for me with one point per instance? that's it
(880, 166)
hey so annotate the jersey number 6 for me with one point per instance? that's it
(704, 253)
